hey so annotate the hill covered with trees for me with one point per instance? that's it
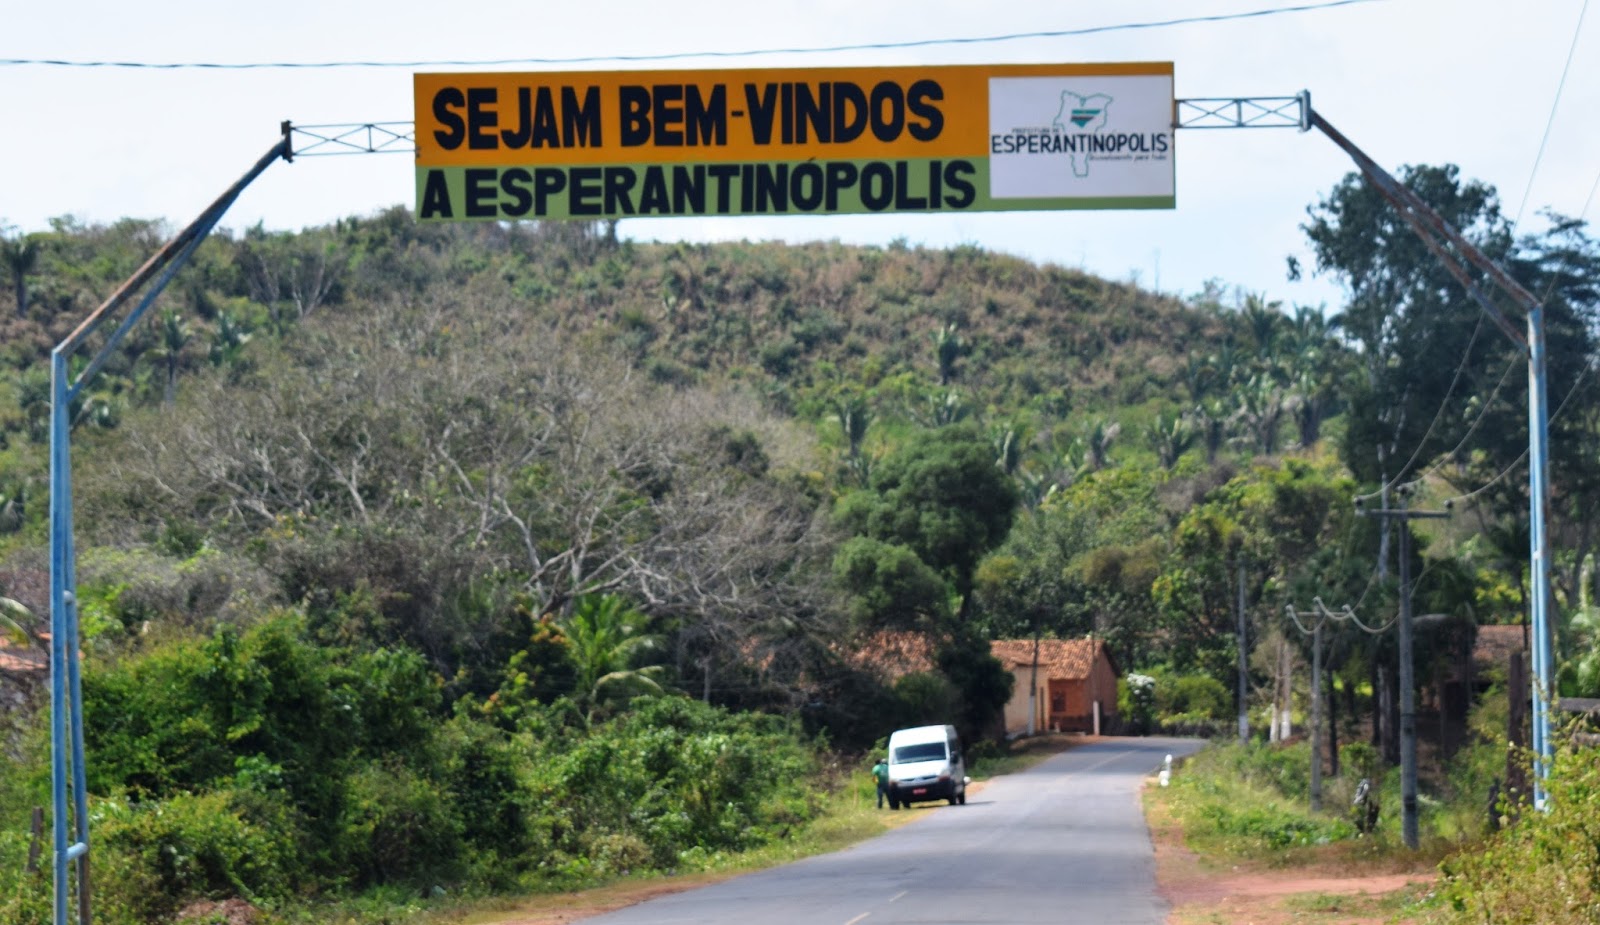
(414, 554)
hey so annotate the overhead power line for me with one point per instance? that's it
(1579, 382)
(682, 55)
(1551, 119)
(1444, 403)
(1583, 375)
(1483, 413)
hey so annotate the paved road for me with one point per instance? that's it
(1062, 843)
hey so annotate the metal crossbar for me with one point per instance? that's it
(1201, 113)
(352, 138)
(1245, 112)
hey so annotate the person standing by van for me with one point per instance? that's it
(880, 772)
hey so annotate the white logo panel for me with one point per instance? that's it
(1080, 137)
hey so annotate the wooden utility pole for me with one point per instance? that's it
(1316, 698)
(1244, 666)
(1408, 693)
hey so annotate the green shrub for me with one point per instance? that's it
(1476, 771)
(1252, 800)
(481, 773)
(674, 775)
(193, 846)
(1545, 869)
(1191, 699)
(26, 897)
(1285, 769)
(396, 827)
(1273, 826)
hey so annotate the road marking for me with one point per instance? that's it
(858, 918)
(898, 895)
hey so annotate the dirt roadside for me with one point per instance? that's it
(1324, 892)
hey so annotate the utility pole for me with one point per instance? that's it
(1408, 694)
(1244, 666)
(1316, 698)
(1316, 716)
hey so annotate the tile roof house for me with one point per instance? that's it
(1077, 678)
(1495, 644)
(24, 660)
(24, 670)
(1076, 684)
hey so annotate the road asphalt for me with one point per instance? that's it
(1064, 842)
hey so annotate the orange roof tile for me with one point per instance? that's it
(1496, 643)
(1065, 659)
(22, 659)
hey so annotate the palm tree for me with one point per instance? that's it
(1097, 441)
(1261, 405)
(1171, 436)
(604, 639)
(946, 408)
(1264, 320)
(175, 336)
(1213, 416)
(1312, 371)
(948, 347)
(228, 340)
(1225, 366)
(1309, 329)
(1199, 376)
(855, 417)
(1052, 467)
(1310, 399)
(1008, 440)
(21, 256)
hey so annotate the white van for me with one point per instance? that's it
(925, 763)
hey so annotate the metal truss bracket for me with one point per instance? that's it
(1245, 112)
(351, 138)
(1205, 112)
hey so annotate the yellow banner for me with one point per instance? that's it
(720, 116)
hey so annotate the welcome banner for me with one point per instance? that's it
(794, 141)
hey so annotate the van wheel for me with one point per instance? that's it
(952, 799)
(893, 803)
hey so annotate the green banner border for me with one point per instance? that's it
(844, 187)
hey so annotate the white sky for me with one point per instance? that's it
(1469, 82)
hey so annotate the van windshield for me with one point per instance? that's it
(926, 751)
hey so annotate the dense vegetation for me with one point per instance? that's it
(468, 559)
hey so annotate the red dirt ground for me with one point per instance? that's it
(1328, 892)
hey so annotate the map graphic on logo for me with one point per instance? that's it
(1085, 112)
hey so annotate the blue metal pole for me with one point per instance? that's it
(66, 690)
(80, 787)
(1426, 223)
(60, 640)
(1539, 550)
